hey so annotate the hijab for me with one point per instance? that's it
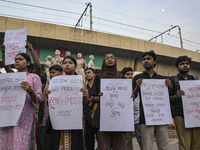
(109, 71)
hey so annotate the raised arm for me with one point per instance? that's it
(35, 58)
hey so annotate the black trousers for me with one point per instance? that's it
(90, 133)
(55, 139)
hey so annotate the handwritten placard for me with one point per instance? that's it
(15, 41)
(12, 98)
(66, 102)
(116, 105)
(155, 101)
(191, 103)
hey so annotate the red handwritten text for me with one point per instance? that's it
(197, 104)
(65, 100)
(197, 117)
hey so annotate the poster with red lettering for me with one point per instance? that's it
(12, 98)
(191, 103)
(14, 41)
(66, 102)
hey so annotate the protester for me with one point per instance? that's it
(127, 73)
(40, 116)
(161, 131)
(188, 138)
(21, 137)
(55, 70)
(89, 109)
(75, 137)
(108, 140)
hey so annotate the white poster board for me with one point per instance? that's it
(191, 103)
(155, 101)
(14, 41)
(116, 105)
(12, 98)
(66, 102)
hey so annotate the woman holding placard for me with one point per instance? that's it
(73, 138)
(21, 137)
(108, 140)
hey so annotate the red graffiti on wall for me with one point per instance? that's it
(37, 52)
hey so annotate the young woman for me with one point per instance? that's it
(21, 137)
(73, 138)
(108, 140)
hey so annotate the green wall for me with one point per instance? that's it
(44, 52)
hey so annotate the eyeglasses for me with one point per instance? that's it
(107, 58)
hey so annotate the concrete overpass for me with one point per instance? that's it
(47, 37)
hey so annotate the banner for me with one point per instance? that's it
(15, 42)
(12, 98)
(66, 102)
(116, 105)
(191, 103)
(155, 101)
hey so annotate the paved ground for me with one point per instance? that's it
(173, 144)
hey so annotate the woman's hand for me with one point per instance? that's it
(47, 93)
(27, 87)
(29, 46)
(133, 96)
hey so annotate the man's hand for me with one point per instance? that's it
(179, 93)
(168, 83)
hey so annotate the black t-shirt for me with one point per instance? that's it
(177, 105)
(144, 75)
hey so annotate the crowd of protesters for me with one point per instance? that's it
(21, 137)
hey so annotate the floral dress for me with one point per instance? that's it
(21, 137)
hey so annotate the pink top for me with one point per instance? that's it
(46, 108)
(21, 137)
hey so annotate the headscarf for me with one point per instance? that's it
(109, 71)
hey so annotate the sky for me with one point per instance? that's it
(142, 19)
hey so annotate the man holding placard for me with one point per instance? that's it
(188, 137)
(147, 127)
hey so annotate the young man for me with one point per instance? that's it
(188, 137)
(127, 73)
(55, 70)
(90, 131)
(147, 132)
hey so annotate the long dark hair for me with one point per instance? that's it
(72, 58)
(28, 59)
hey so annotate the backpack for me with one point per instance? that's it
(177, 87)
